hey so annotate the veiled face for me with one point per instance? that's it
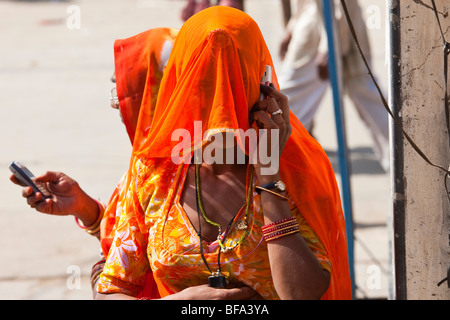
(213, 77)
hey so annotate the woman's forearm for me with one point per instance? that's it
(296, 272)
(201, 292)
(87, 209)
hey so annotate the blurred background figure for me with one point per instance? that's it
(193, 6)
(304, 74)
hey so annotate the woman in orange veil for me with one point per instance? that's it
(243, 232)
(139, 65)
(140, 61)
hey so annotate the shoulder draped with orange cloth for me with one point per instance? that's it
(213, 79)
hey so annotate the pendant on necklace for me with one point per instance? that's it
(241, 225)
(217, 280)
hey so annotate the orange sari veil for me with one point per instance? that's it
(139, 64)
(213, 76)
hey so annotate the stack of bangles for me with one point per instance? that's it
(93, 229)
(96, 270)
(280, 229)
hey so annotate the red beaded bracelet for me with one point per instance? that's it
(280, 229)
(281, 222)
(282, 233)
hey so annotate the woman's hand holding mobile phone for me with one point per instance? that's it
(66, 197)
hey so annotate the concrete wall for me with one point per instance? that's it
(421, 207)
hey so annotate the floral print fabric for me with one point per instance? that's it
(156, 236)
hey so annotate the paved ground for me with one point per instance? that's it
(55, 115)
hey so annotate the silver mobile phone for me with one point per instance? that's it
(27, 178)
(266, 79)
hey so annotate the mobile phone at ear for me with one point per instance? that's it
(24, 175)
(266, 79)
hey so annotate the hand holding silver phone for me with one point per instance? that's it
(266, 79)
(27, 178)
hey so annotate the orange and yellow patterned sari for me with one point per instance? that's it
(158, 238)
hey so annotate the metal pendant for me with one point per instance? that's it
(217, 281)
(241, 225)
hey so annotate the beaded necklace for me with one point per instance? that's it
(218, 279)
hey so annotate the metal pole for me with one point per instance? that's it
(397, 228)
(336, 85)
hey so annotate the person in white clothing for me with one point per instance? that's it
(304, 74)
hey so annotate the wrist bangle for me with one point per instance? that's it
(279, 223)
(277, 186)
(280, 229)
(259, 189)
(96, 270)
(94, 228)
(281, 234)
